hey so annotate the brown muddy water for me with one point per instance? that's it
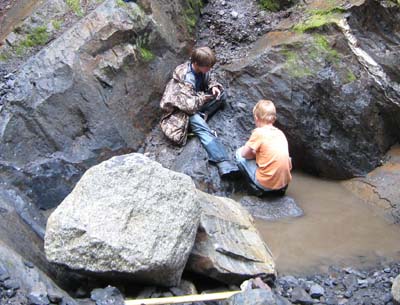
(337, 229)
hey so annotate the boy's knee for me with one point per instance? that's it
(196, 119)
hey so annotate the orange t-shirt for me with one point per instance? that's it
(272, 157)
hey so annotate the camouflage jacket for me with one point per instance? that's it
(180, 100)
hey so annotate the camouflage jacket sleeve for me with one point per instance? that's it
(180, 95)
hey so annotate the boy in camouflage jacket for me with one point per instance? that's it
(190, 98)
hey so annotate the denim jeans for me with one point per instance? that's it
(249, 168)
(215, 149)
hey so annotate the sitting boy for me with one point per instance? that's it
(264, 159)
(190, 98)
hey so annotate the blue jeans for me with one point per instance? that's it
(249, 168)
(215, 149)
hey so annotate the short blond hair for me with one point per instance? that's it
(204, 57)
(265, 111)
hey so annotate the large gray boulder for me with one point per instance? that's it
(228, 247)
(128, 216)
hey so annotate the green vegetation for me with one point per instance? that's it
(350, 76)
(141, 46)
(146, 54)
(319, 18)
(270, 5)
(275, 5)
(191, 13)
(294, 65)
(121, 3)
(75, 6)
(303, 60)
(4, 56)
(322, 48)
(38, 36)
(56, 24)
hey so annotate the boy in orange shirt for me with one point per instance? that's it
(264, 159)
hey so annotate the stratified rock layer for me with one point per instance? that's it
(228, 247)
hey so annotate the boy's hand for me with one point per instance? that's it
(216, 92)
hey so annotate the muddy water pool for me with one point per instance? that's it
(337, 229)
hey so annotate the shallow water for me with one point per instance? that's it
(337, 229)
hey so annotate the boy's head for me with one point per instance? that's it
(265, 112)
(203, 57)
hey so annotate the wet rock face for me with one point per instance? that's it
(380, 35)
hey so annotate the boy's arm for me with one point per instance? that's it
(248, 153)
(190, 101)
(213, 85)
(182, 96)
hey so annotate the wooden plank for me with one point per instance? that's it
(184, 299)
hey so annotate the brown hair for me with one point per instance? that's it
(265, 111)
(203, 57)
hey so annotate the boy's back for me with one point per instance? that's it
(272, 157)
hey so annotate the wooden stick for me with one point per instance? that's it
(184, 299)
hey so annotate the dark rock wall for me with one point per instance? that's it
(338, 119)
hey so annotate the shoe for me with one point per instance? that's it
(227, 168)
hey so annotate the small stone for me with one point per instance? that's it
(109, 295)
(234, 14)
(386, 270)
(362, 283)
(10, 293)
(11, 284)
(12, 39)
(300, 296)
(350, 282)
(221, 12)
(29, 264)
(348, 294)
(5, 276)
(387, 298)
(38, 298)
(290, 280)
(331, 301)
(316, 291)
(55, 297)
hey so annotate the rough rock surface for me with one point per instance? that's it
(21, 283)
(253, 297)
(308, 77)
(94, 91)
(128, 216)
(380, 187)
(272, 208)
(228, 247)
